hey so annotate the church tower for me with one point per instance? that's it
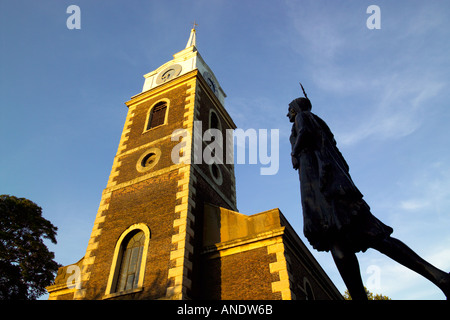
(142, 242)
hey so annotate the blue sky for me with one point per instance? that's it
(384, 93)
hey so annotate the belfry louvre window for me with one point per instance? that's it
(214, 121)
(157, 115)
(130, 262)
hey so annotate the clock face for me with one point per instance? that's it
(209, 80)
(211, 84)
(168, 73)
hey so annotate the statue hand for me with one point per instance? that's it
(295, 163)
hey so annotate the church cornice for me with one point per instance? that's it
(179, 81)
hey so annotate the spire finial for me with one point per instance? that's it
(192, 39)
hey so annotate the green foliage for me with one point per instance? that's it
(26, 264)
(370, 296)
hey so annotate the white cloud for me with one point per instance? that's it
(398, 111)
(413, 204)
(440, 257)
(429, 191)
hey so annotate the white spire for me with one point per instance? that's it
(192, 39)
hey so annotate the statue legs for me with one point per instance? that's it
(400, 252)
(348, 267)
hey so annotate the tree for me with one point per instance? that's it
(26, 264)
(370, 295)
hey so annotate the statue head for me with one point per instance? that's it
(301, 104)
(298, 105)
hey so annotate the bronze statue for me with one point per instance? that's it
(335, 216)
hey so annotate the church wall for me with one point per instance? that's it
(149, 202)
(177, 101)
(240, 276)
(227, 185)
(207, 189)
(298, 274)
(65, 296)
(247, 275)
(204, 194)
(304, 271)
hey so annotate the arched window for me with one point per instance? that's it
(308, 289)
(130, 255)
(216, 174)
(157, 115)
(130, 264)
(214, 122)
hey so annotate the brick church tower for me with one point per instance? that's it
(167, 226)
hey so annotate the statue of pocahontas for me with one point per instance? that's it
(335, 216)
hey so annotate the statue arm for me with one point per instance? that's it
(297, 137)
(300, 130)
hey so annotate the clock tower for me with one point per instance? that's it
(150, 215)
